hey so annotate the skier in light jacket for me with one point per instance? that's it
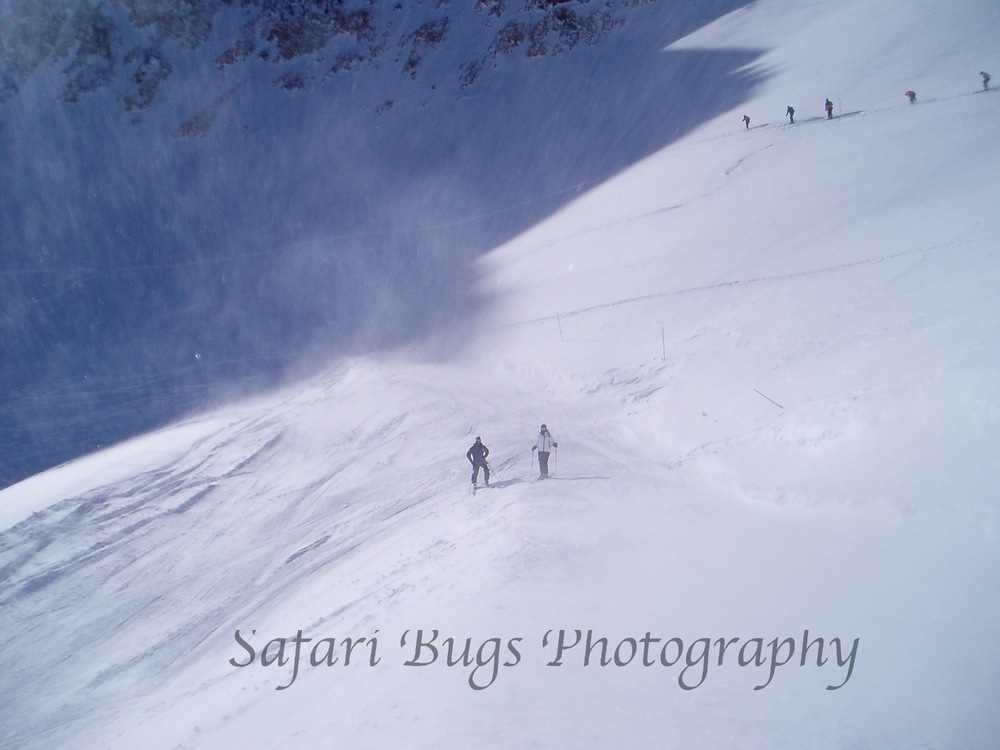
(543, 445)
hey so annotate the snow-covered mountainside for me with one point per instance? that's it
(768, 356)
(201, 199)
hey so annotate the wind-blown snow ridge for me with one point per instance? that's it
(299, 222)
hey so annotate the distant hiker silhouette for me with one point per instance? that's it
(477, 457)
(912, 96)
(986, 79)
(791, 114)
(829, 110)
(746, 121)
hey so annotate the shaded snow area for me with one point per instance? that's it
(768, 357)
(235, 233)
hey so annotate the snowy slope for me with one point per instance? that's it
(236, 231)
(769, 359)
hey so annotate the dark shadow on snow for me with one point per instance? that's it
(146, 275)
(574, 479)
(503, 483)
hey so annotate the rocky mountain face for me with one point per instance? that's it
(134, 46)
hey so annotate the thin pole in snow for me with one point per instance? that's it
(771, 400)
(559, 323)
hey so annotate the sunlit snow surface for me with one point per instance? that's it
(769, 359)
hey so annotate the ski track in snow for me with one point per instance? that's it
(722, 285)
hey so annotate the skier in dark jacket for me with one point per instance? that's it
(791, 114)
(829, 110)
(543, 446)
(477, 457)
